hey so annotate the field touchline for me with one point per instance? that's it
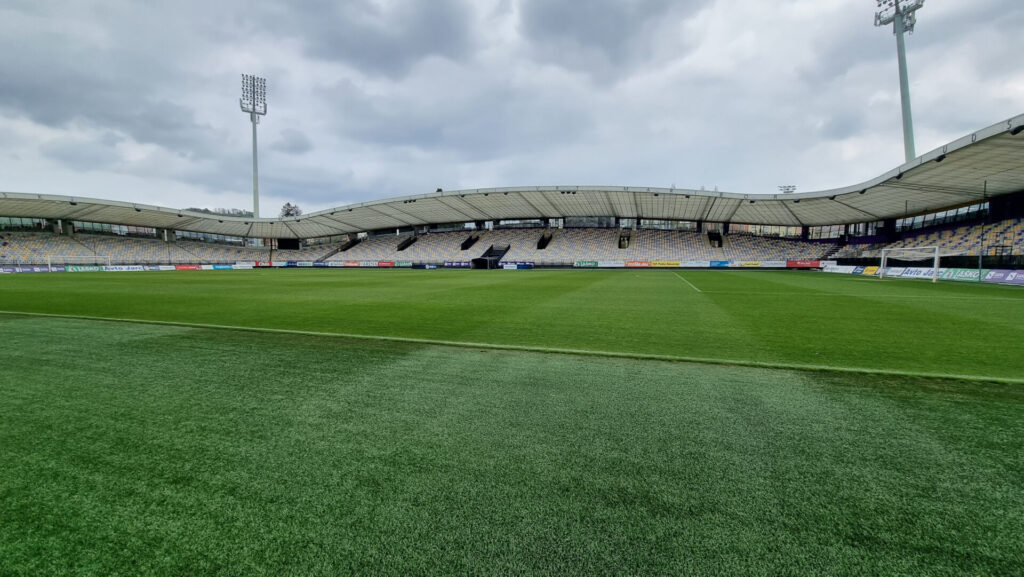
(688, 282)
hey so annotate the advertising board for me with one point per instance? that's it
(124, 268)
(803, 264)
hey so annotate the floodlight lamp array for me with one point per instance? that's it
(254, 94)
(889, 10)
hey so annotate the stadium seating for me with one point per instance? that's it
(747, 247)
(565, 247)
(970, 240)
(42, 247)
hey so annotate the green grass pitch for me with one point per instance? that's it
(416, 422)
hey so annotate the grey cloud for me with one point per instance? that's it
(56, 79)
(377, 38)
(494, 120)
(602, 38)
(292, 141)
(81, 154)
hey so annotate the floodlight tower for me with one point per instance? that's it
(254, 101)
(900, 13)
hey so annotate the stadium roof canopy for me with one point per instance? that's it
(987, 163)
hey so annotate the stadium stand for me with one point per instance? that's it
(41, 247)
(971, 240)
(747, 247)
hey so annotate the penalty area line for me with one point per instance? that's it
(688, 282)
(539, 349)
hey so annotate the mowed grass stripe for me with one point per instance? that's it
(536, 349)
(640, 314)
(154, 450)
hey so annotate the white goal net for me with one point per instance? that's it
(922, 259)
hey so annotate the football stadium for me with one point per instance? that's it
(549, 380)
(565, 380)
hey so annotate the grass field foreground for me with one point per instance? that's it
(133, 449)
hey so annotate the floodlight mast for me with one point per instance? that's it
(900, 13)
(254, 101)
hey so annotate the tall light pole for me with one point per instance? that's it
(900, 13)
(254, 101)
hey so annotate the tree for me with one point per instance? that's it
(290, 209)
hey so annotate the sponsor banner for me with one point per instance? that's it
(57, 268)
(9, 269)
(894, 271)
(152, 267)
(223, 267)
(457, 264)
(719, 264)
(749, 264)
(775, 264)
(84, 268)
(803, 264)
(403, 264)
(524, 265)
(870, 271)
(245, 264)
(638, 264)
(190, 267)
(611, 264)
(263, 264)
(585, 264)
(351, 263)
(839, 269)
(1015, 277)
(123, 268)
(335, 263)
(665, 263)
(167, 267)
(386, 264)
(320, 265)
(430, 266)
(304, 264)
(206, 267)
(962, 274)
(829, 263)
(368, 264)
(917, 272)
(509, 267)
(996, 275)
(858, 270)
(695, 263)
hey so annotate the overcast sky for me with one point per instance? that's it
(369, 99)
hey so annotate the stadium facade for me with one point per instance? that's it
(980, 175)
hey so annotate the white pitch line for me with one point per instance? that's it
(689, 283)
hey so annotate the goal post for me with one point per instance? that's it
(927, 256)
